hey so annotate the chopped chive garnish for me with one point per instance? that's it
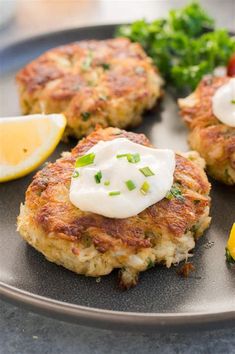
(120, 156)
(145, 187)
(85, 116)
(85, 160)
(75, 174)
(98, 177)
(146, 171)
(107, 183)
(233, 101)
(105, 66)
(130, 185)
(114, 193)
(132, 158)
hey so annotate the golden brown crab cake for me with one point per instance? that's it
(94, 245)
(214, 140)
(110, 82)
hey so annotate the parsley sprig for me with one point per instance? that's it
(184, 46)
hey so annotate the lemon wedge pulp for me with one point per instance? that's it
(26, 141)
(231, 243)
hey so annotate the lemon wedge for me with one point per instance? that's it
(26, 141)
(230, 249)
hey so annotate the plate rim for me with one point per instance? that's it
(42, 35)
(96, 317)
(103, 318)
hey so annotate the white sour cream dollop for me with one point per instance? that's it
(223, 103)
(120, 189)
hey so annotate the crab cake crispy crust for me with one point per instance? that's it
(214, 140)
(109, 82)
(94, 245)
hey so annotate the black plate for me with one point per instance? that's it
(162, 299)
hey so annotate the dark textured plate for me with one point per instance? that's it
(162, 299)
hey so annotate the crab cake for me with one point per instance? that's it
(94, 245)
(110, 83)
(214, 140)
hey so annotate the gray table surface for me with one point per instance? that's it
(24, 332)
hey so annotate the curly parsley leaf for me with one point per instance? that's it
(184, 46)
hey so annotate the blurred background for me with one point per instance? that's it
(25, 18)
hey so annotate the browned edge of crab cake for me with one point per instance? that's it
(94, 245)
(107, 82)
(214, 140)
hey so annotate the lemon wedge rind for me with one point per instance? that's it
(54, 124)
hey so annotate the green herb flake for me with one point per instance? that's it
(91, 83)
(228, 256)
(130, 185)
(122, 155)
(86, 240)
(145, 188)
(114, 193)
(105, 66)
(196, 201)
(146, 171)
(85, 116)
(75, 174)
(150, 263)
(132, 158)
(86, 64)
(169, 196)
(85, 160)
(175, 192)
(107, 183)
(195, 228)
(233, 101)
(98, 177)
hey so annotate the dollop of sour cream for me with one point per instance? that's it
(223, 103)
(119, 178)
